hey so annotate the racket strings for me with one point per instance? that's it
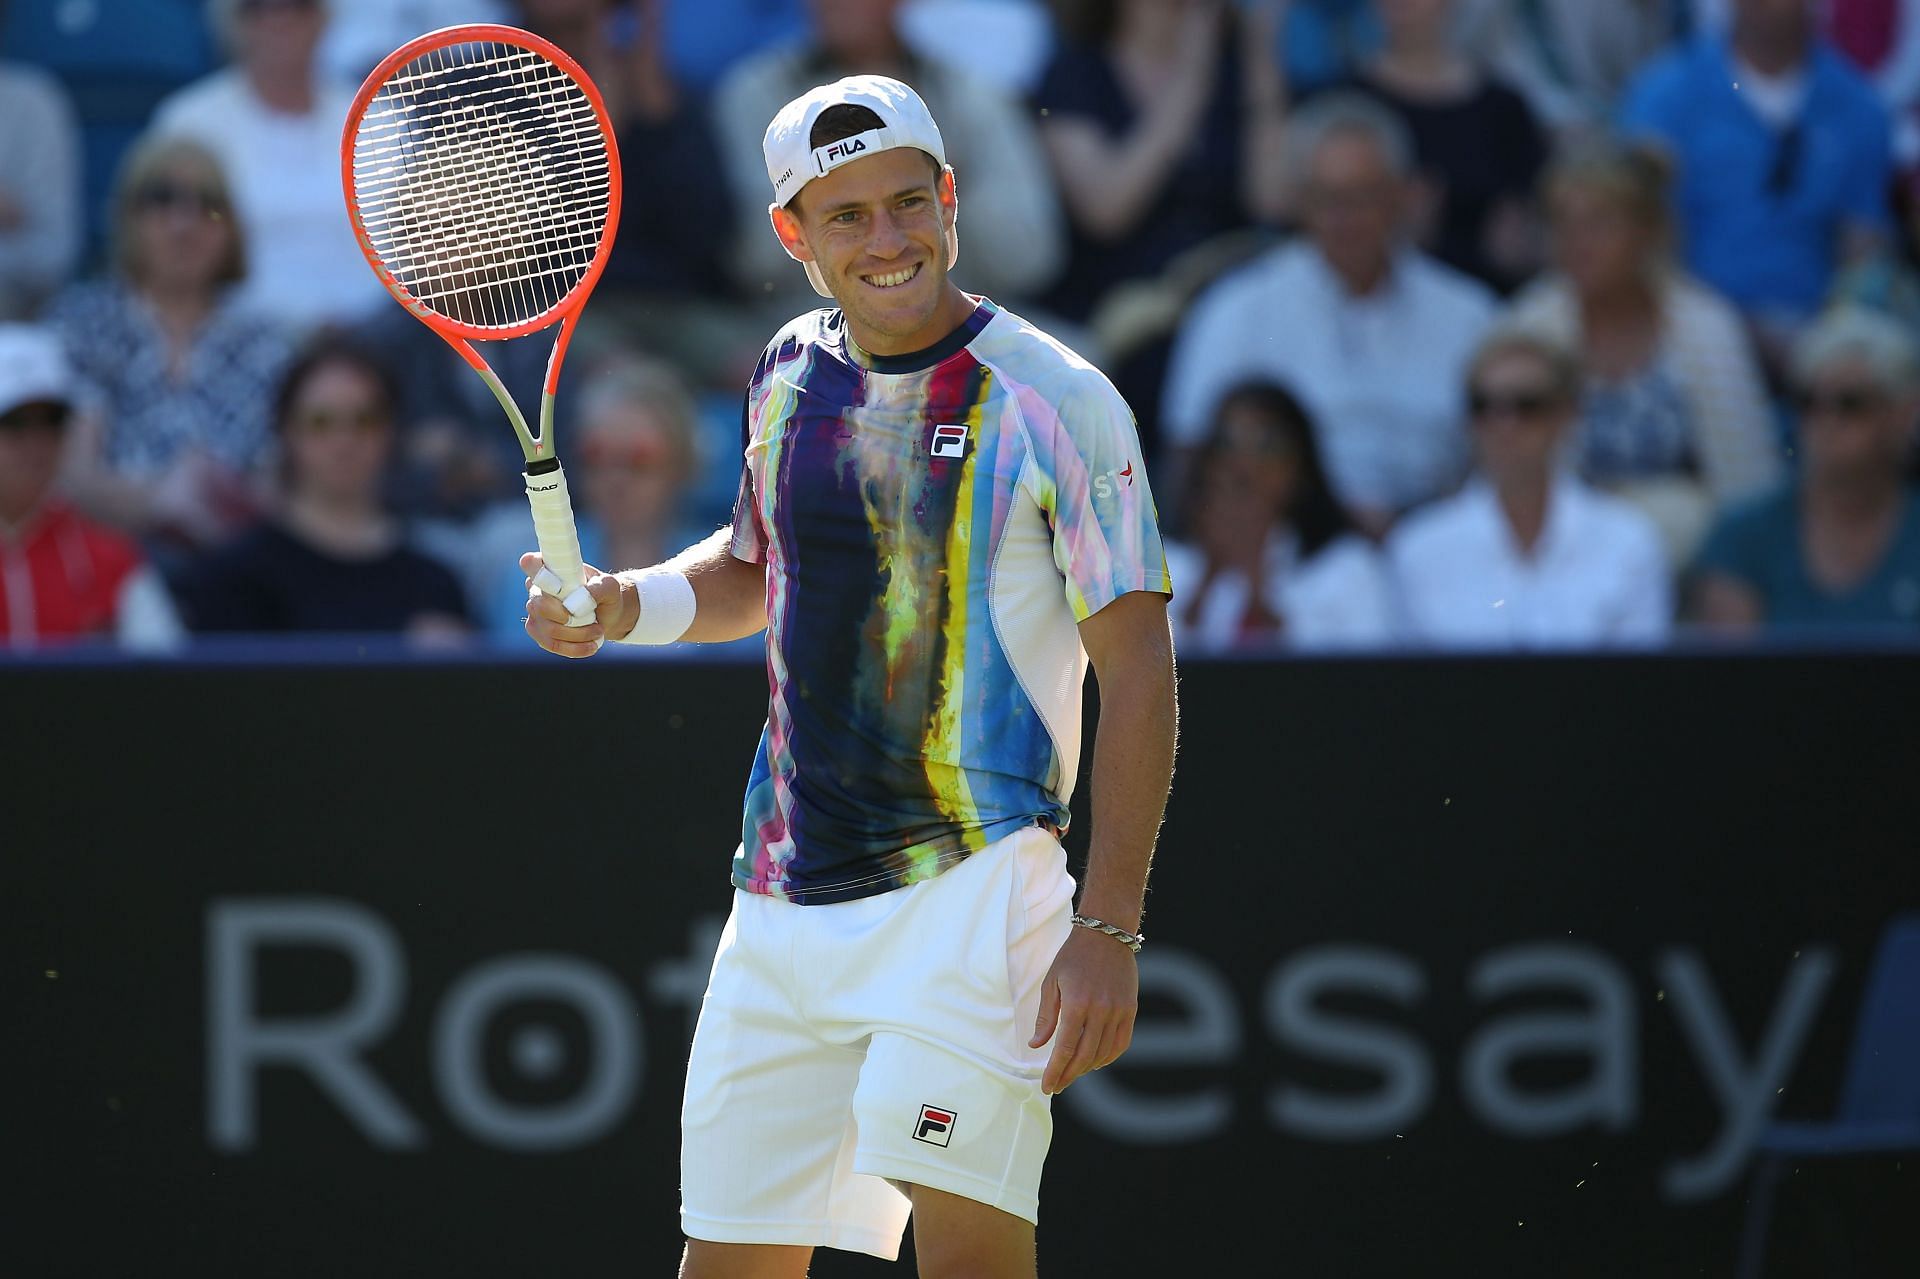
(483, 182)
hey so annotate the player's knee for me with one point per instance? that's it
(959, 1238)
(707, 1260)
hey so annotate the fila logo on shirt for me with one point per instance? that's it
(949, 440)
(935, 1126)
(1103, 484)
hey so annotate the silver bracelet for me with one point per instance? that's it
(1132, 941)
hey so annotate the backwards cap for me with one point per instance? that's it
(792, 161)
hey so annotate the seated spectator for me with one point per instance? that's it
(1527, 556)
(1164, 130)
(667, 285)
(1879, 37)
(40, 214)
(331, 558)
(275, 125)
(1371, 335)
(183, 369)
(1783, 155)
(117, 59)
(1840, 547)
(631, 460)
(1012, 226)
(67, 578)
(1476, 144)
(1270, 559)
(1570, 59)
(1675, 417)
(361, 32)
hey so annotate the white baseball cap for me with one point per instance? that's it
(792, 161)
(33, 368)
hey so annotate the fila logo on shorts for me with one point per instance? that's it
(935, 1126)
(949, 441)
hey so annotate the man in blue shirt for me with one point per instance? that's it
(1783, 153)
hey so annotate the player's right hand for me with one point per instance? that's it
(616, 608)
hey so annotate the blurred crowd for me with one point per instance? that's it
(1474, 324)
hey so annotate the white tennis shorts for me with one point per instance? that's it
(846, 1047)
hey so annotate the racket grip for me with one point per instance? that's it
(559, 541)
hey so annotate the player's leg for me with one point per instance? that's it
(767, 1145)
(959, 1238)
(706, 1260)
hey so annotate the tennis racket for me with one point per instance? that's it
(483, 183)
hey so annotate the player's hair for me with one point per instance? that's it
(1347, 114)
(654, 385)
(151, 156)
(1562, 365)
(1637, 177)
(1854, 332)
(1314, 514)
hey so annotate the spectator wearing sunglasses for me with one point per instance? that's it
(1784, 154)
(1527, 556)
(331, 557)
(275, 124)
(1840, 546)
(182, 371)
(67, 577)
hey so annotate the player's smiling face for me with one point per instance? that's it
(877, 228)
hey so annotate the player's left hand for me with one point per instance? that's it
(1087, 1006)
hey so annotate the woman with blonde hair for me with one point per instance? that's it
(183, 374)
(1674, 414)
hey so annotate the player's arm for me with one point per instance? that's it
(1091, 996)
(729, 600)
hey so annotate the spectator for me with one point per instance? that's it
(1841, 545)
(361, 32)
(667, 284)
(1013, 232)
(275, 125)
(183, 369)
(117, 59)
(1371, 335)
(1570, 59)
(1675, 417)
(331, 558)
(1164, 130)
(40, 214)
(1527, 556)
(67, 578)
(1783, 155)
(1475, 141)
(633, 458)
(1881, 38)
(1271, 560)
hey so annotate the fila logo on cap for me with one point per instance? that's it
(949, 441)
(935, 1126)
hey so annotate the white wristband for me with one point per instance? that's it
(666, 606)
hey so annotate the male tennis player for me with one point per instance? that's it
(942, 516)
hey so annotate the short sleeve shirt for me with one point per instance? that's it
(1759, 545)
(934, 527)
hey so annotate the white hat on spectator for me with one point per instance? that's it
(33, 368)
(792, 160)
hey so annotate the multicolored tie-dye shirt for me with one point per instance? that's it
(934, 527)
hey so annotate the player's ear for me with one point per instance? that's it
(787, 227)
(948, 194)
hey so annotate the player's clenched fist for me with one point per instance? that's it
(616, 608)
